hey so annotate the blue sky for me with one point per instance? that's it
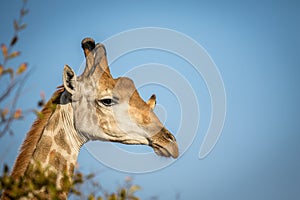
(254, 44)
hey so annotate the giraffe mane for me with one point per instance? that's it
(33, 136)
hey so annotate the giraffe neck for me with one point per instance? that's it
(52, 141)
(59, 145)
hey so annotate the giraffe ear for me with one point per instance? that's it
(69, 79)
(152, 101)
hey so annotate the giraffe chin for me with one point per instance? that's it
(169, 150)
(161, 151)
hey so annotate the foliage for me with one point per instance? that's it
(40, 183)
(11, 78)
(34, 180)
(125, 192)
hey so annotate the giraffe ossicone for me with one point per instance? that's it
(92, 106)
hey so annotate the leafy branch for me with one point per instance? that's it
(13, 84)
(41, 183)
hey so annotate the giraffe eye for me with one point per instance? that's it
(108, 102)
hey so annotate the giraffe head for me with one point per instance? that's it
(111, 109)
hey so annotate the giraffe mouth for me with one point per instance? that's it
(171, 151)
(164, 144)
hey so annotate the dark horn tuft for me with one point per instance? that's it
(87, 44)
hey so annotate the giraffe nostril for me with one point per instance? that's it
(168, 136)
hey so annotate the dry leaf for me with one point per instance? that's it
(1, 69)
(4, 50)
(14, 40)
(18, 114)
(4, 113)
(22, 68)
(14, 54)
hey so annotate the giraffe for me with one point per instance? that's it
(92, 106)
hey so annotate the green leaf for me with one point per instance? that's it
(112, 197)
(134, 188)
(91, 197)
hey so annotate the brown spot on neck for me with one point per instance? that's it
(57, 161)
(60, 140)
(42, 149)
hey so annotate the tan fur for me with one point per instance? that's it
(71, 168)
(60, 140)
(43, 148)
(51, 126)
(57, 161)
(34, 135)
